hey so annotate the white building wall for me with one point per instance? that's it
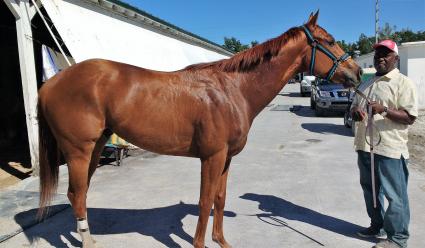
(90, 32)
(365, 61)
(414, 59)
(417, 74)
(404, 58)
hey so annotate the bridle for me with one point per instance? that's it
(316, 45)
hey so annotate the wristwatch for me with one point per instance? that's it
(385, 112)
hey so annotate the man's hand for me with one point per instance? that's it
(377, 108)
(396, 115)
(358, 114)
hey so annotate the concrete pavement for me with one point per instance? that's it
(294, 185)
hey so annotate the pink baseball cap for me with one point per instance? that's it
(388, 44)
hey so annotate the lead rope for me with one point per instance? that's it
(372, 155)
(369, 129)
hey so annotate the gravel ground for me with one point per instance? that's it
(417, 142)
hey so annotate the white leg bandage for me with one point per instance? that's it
(83, 230)
(82, 225)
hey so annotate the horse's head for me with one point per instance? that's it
(325, 58)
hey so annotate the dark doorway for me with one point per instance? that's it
(14, 149)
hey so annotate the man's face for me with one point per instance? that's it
(384, 60)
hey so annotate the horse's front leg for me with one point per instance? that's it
(219, 202)
(212, 167)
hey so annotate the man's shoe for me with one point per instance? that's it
(386, 244)
(372, 233)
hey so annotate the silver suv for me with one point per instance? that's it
(305, 85)
(328, 97)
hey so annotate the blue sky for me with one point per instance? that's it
(261, 20)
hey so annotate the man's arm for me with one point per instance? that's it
(355, 111)
(400, 116)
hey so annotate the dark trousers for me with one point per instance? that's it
(391, 177)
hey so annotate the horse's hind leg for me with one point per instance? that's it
(219, 202)
(212, 167)
(97, 151)
(78, 159)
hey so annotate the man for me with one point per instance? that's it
(394, 107)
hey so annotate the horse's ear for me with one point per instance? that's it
(312, 20)
(309, 18)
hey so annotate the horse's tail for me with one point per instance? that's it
(49, 157)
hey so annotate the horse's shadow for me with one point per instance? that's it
(159, 223)
(276, 207)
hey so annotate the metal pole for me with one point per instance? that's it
(370, 124)
(51, 32)
(376, 21)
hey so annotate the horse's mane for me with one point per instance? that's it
(248, 59)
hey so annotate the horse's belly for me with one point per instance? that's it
(166, 147)
(159, 139)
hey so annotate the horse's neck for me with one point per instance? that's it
(267, 80)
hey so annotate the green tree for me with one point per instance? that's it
(364, 44)
(407, 35)
(344, 46)
(254, 43)
(387, 32)
(234, 45)
(353, 47)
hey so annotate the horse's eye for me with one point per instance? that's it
(331, 43)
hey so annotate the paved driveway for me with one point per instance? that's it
(294, 185)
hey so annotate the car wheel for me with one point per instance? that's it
(346, 117)
(319, 111)
(353, 128)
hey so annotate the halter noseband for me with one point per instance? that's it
(316, 45)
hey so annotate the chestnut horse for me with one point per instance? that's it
(203, 111)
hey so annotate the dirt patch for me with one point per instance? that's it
(7, 180)
(416, 142)
(11, 173)
(15, 163)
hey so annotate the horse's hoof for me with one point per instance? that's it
(198, 246)
(90, 243)
(222, 243)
